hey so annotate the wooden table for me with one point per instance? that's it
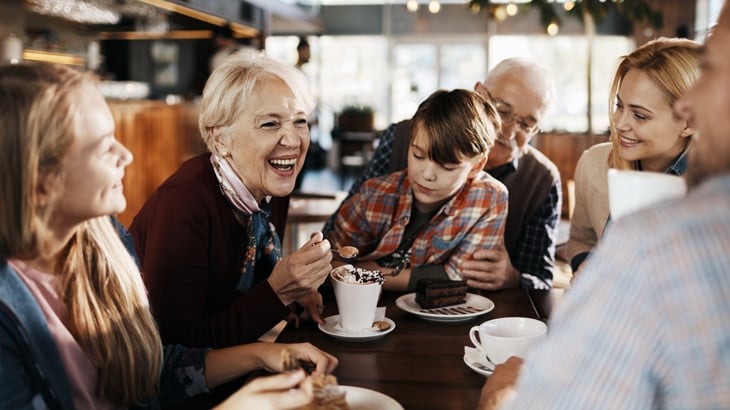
(420, 364)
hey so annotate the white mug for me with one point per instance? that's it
(507, 336)
(629, 191)
(356, 303)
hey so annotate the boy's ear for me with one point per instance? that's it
(479, 164)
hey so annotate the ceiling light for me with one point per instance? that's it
(412, 5)
(553, 28)
(434, 6)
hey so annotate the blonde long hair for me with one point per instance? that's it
(100, 284)
(673, 64)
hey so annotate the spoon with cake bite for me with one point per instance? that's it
(347, 253)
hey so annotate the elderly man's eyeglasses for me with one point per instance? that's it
(508, 116)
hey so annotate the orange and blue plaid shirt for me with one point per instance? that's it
(375, 219)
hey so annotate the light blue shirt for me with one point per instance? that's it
(657, 333)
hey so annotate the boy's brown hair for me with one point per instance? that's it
(459, 124)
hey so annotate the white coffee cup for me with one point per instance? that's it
(507, 336)
(629, 191)
(356, 303)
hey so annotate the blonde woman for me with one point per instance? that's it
(646, 134)
(75, 326)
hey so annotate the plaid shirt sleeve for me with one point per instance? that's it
(378, 166)
(535, 254)
(363, 219)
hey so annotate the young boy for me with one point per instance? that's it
(424, 221)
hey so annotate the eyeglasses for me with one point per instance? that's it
(508, 117)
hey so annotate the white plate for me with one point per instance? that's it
(331, 327)
(359, 398)
(408, 303)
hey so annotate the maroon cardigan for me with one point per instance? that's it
(190, 246)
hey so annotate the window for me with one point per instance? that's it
(395, 76)
(419, 69)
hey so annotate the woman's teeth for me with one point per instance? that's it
(629, 140)
(284, 164)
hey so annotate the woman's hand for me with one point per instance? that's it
(223, 365)
(270, 356)
(281, 391)
(303, 271)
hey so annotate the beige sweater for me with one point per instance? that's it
(591, 200)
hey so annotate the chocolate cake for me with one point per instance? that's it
(435, 293)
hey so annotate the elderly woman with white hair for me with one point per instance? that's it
(210, 256)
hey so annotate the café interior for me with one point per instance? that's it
(372, 62)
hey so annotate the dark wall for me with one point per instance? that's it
(177, 67)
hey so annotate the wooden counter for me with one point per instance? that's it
(161, 137)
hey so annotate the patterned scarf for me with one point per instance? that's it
(263, 247)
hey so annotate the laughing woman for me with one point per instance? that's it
(646, 134)
(210, 256)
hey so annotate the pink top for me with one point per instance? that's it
(82, 374)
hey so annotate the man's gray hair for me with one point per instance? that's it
(530, 72)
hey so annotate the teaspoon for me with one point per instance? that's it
(347, 253)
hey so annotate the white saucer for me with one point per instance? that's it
(359, 398)
(473, 358)
(332, 328)
(481, 305)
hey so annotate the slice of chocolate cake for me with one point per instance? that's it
(434, 293)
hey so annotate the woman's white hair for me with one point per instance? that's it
(233, 83)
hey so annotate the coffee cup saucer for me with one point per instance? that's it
(477, 361)
(332, 328)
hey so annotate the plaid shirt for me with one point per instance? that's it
(535, 254)
(375, 219)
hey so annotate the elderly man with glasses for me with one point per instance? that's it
(521, 91)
